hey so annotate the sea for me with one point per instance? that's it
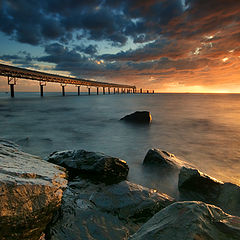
(201, 129)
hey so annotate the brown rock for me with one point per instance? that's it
(30, 192)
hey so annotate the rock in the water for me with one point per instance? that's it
(163, 159)
(94, 165)
(194, 185)
(99, 211)
(190, 221)
(138, 117)
(31, 191)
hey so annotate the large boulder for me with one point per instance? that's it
(190, 221)
(195, 185)
(99, 211)
(31, 192)
(94, 165)
(163, 159)
(138, 117)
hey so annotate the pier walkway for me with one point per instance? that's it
(14, 73)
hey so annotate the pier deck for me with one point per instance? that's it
(13, 73)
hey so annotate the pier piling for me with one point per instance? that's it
(41, 90)
(103, 89)
(89, 91)
(97, 91)
(78, 90)
(12, 90)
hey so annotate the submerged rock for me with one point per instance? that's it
(190, 221)
(31, 191)
(138, 117)
(99, 211)
(194, 185)
(97, 166)
(163, 159)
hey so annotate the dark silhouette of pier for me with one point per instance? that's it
(14, 73)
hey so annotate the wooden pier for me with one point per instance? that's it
(14, 73)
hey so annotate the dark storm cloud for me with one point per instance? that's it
(36, 21)
(22, 58)
(91, 49)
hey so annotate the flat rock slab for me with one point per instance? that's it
(138, 117)
(99, 211)
(31, 191)
(95, 165)
(190, 221)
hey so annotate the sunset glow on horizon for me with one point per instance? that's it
(168, 46)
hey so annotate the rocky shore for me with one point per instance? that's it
(78, 195)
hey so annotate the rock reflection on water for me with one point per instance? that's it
(202, 129)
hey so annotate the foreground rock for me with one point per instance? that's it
(163, 159)
(97, 166)
(138, 117)
(31, 191)
(190, 221)
(194, 185)
(102, 211)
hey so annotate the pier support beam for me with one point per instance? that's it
(97, 91)
(11, 83)
(114, 90)
(63, 89)
(41, 84)
(103, 90)
(12, 90)
(89, 91)
(109, 91)
(41, 90)
(140, 90)
(78, 90)
(118, 91)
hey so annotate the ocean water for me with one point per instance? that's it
(202, 129)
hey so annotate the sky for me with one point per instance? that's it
(165, 45)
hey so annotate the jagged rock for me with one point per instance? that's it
(229, 198)
(99, 211)
(138, 117)
(195, 185)
(31, 191)
(95, 165)
(190, 221)
(163, 159)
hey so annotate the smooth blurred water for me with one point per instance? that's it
(203, 129)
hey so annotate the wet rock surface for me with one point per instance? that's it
(190, 221)
(138, 117)
(94, 165)
(31, 191)
(195, 185)
(163, 159)
(99, 211)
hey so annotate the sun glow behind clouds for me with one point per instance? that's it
(225, 59)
